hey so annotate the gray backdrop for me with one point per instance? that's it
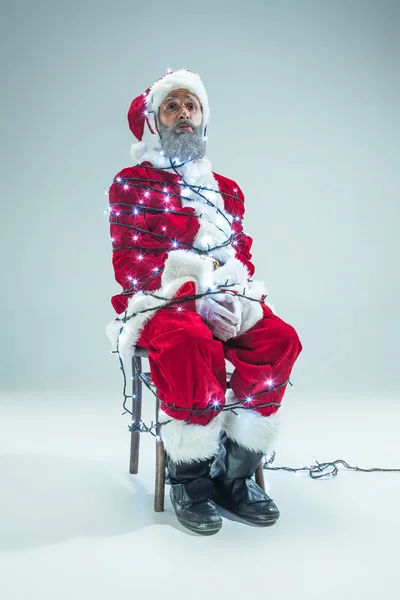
(304, 115)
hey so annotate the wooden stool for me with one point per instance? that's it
(137, 382)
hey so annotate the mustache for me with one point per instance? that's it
(183, 122)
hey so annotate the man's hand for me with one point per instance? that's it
(222, 313)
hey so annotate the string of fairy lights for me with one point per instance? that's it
(318, 470)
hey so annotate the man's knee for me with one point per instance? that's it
(289, 334)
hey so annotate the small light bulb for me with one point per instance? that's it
(126, 186)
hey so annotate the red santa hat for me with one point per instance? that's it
(143, 108)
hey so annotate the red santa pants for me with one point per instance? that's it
(188, 364)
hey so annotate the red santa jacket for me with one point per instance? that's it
(163, 223)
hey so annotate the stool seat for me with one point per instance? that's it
(138, 378)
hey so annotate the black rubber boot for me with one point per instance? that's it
(231, 473)
(191, 496)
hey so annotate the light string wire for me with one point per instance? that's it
(197, 191)
(319, 470)
(323, 470)
(169, 303)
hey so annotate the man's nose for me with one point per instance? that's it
(183, 113)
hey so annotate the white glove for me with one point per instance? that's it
(222, 313)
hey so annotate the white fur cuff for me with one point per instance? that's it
(186, 442)
(184, 263)
(232, 272)
(249, 428)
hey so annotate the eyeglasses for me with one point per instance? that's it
(173, 106)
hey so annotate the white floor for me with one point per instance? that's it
(75, 525)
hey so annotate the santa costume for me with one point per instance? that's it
(179, 248)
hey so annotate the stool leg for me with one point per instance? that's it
(136, 413)
(260, 476)
(160, 467)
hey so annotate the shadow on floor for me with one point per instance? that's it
(48, 499)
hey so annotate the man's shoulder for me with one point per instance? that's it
(140, 171)
(229, 186)
(233, 195)
(226, 181)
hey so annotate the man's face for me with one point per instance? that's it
(180, 126)
(178, 105)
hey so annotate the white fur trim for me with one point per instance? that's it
(181, 79)
(252, 312)
(181, 266)
(233, 271)
(249, 428)
(139, 152)
(184, 263)
(186, 442)
(215, 228)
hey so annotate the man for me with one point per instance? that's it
(184, 263)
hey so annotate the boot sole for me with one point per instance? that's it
(201, 530)
(252, 521)
(255, 522)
